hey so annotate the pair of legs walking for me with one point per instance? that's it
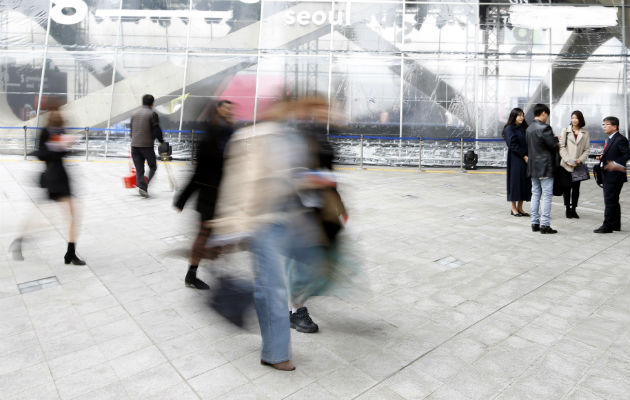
(70, 256)
(139, 156)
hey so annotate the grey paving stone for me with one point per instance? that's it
(522, 316)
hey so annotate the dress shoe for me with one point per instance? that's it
(524, 214)
(283, 366)
(547, 230)
(515, 214)
(535, 227)
(302, 322)
(616, 228)
(603, 229)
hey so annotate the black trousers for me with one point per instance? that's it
(612, 212)
(572, 194)
(139, 155)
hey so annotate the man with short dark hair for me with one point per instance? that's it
(613, 160)
(542, 147)
(145, 128)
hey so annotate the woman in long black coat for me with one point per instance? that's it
(519, 186)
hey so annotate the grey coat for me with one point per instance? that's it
(542, 150)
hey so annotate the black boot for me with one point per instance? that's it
(573, 213)
(71, 256)
(192, 281)
(302, 322)
(568, 213)
(16, 249)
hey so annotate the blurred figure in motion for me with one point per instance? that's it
(54, 144)
(206, 179)
(309, 260)
(145, 129)
(265, 197)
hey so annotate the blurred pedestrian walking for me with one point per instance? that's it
(206, 180)
(54, 145)
(145, 129)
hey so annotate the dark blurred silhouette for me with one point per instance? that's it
(206, 180)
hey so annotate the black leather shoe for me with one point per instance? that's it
(302, 322)
(523, 214)
(617, 228)
(547, 230)
(603, 229)
(568, 213)
(574, 214)
(535, 227)
(517, 214)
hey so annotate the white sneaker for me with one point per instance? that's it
(143, 193)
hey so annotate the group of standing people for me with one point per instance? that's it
(534, 153)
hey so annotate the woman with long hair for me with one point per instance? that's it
(519, 186)
(575, 145)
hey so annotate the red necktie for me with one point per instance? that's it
(605, 144)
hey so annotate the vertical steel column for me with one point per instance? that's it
(361, 152)
(420, 154)
(25, 129)
(624, 10)
(258, 59)
(41, 80)
(330, 64)
(181, 112)
(111, 95)
(461, 158)
(87, 142)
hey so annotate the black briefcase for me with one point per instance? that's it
(599, 175)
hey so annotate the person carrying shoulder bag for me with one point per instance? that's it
(575, 145)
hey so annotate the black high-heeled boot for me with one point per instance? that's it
(71, 256)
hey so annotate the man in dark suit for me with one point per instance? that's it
(542, 146)
(615, 155)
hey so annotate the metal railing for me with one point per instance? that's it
(391, 148)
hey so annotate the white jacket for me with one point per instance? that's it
(576, 148)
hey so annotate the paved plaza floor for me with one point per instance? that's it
(463, 301)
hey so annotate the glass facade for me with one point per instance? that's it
(397, 69)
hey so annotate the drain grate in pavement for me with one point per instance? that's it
(39, 284)
(450, 262)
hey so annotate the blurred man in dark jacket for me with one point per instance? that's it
(542, 147)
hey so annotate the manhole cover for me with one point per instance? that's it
(39, 284)
(450, 262)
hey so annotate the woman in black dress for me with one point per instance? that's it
(519, 186)
(54, 144)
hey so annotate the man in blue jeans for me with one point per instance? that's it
(542, 147)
